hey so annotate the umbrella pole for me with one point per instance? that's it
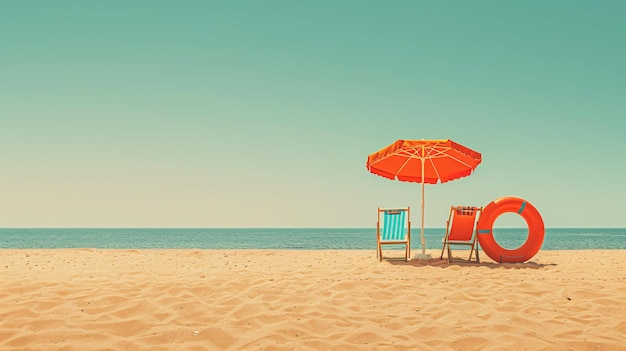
(422, 232)
(423, 255)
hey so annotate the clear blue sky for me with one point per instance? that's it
(262, 113)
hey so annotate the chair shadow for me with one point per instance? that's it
(443, 263)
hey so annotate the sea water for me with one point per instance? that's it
(284, 238)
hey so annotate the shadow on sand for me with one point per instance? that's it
(443, 263)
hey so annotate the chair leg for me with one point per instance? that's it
(477, 257)
(408, 246)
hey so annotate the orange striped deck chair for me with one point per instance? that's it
(461, 230)
(394, 228)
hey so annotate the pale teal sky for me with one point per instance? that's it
(262, 113)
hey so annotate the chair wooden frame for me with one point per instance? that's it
(401, 234)
(462, 233)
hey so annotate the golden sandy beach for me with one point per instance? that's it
(88, 299)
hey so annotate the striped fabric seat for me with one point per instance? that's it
(393, 228)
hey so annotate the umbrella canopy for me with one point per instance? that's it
(424, 161)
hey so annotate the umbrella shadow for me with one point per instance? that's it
(443, 263)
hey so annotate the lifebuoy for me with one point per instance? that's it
(492, 211)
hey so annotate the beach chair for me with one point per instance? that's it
(461, 230)
(393, 229)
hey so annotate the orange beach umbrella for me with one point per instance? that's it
(424, 161)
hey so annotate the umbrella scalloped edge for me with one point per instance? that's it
(418, 179)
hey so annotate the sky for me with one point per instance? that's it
(262, 113)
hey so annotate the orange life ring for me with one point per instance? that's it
(536, 229)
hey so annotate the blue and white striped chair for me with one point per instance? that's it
(394, 229)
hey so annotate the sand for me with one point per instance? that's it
(92, 299)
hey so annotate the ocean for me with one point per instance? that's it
(284, 238)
